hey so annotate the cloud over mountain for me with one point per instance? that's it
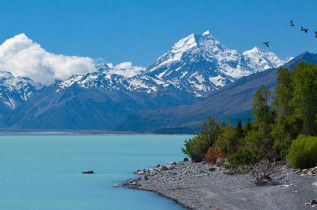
(24, 58)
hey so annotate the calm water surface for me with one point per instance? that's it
(44, 172)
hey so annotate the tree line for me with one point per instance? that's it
(285, 125)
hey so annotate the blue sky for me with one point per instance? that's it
(141, 31)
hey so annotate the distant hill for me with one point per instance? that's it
(232, 102)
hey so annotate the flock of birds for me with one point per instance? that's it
(293, 24)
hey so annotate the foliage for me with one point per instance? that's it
(197, 147)
(227, 140)
(260, 106)
(213, 154)
(303, 152)
(244, 156)
(292, 112)
(305, 96)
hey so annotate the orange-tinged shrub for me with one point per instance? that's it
(212, 154)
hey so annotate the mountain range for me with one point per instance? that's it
(230, 103)
(195, 67)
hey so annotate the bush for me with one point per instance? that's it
(244, 156)
(197, 147)
(303, 152)
(212, 154)
(228, 141)
(269, 173)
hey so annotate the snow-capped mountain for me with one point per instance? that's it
(260, 60)
(105, 95)
(16, 90)
(201, 64)
(197, 64)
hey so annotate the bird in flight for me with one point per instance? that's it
(292, 23)
(266, 43)
(304, 29)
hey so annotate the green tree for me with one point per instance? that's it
(240, 131)
(197, 147)
(287, 126)
(305, 96)
(248, 126)
(283, 93)
(260, 106)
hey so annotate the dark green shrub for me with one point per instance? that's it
(303, 152)
(244, 156)
(197, 147)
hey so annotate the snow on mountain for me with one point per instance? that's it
(16, 90)
(108, 76)
(201, 64)
(286, 60)
(197, 64)
(103, 95)
(262, 59)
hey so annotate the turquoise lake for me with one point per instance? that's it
(44, 172)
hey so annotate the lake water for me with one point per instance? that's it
(44, 172)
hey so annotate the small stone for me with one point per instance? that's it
(146, 177)
(212, 169)
(313, 202)
(185, 159)
(115, 185)
(173, 163)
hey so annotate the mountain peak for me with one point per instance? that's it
(262, 59)
(206, 33)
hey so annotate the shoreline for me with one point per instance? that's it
(30, 132)
(204, 186)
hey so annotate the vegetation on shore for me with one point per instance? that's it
(285, 125)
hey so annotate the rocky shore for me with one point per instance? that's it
(204, 186)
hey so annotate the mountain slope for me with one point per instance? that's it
(93, 101)
(193, 68)
(232, 103)
(14, 91)
(201, 64)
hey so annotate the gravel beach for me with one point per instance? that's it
(204, 186)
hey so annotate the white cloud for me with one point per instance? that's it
(22, 57)
(125, 69)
